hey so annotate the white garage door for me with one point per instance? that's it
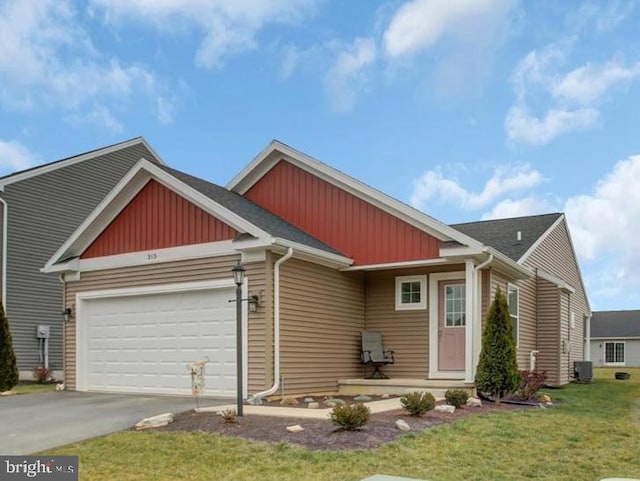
(143, 343)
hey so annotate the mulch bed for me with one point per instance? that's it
(321, 434)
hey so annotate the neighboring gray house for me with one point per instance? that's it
(615, 338)
(40, 207)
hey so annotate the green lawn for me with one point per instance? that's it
(592, 434)
(33, 387)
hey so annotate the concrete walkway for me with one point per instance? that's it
(36, 422)
(298, 412)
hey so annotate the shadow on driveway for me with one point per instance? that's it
(36, 422)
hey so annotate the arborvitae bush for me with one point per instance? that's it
(350, 416)
(8, 365)
(418, 403)
(456, 397)
(497, 372)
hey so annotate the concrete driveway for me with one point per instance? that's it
(36, 422)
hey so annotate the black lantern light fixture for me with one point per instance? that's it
(238, 274)
(66, 314)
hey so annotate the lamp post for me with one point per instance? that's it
(238, 277)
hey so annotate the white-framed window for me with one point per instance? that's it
(411, 292)
(614, 353)
(513, 299)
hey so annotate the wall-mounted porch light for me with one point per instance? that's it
(66, 314)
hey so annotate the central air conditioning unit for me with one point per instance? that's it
(583, 371)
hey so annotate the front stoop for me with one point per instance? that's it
(437, 387)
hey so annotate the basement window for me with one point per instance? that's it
(411, 293)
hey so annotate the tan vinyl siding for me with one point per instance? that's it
(498, 280)
(565, 358)
(406, 332)
(528, 326)
(192, 270)
(555, 255)
(321, 316)
(548, 330)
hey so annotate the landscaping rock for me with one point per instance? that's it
(296, 428)
(402, 425)
(256, 401)
(331, 402)
(309, 400)
(7, 393)
(362, 398)
(314, 405)
(385, 396)
(544, 399)
(60, 386)
(474, 402)
(154, 421)
(290, 401)
(444, 408)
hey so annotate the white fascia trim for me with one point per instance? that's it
(616, 338)
(79, 158)
(555, 280)
(263, 162)
(400, 265)
(316, 255)
(154, 256)
(540, 239)
(462, 251)
(125, 191)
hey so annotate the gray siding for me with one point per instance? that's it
(631, 352)
(43, 212)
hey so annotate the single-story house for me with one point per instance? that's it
(147, 278)
(615, 338)
(40, 208)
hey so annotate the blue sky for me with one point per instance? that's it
(467, 109)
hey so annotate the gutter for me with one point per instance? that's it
(5, 225)
(276, 327)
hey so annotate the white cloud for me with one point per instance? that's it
(605, 16)
(15, 156)
(609, 218)
(460, 36)
(48, 61)
(434, 186)
(419, 24)
(518, 208)
(571, 98)
(525, 128)
(589, 83)
(348, 73)
(605, 227)
(227, 27)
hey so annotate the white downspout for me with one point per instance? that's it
(5, 225)
(477, 341)
(276, 326)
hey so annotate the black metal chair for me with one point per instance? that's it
(374, 354)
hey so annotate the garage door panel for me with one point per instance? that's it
(143, 343)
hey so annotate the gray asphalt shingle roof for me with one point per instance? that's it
(251, 212)
(501, 234)
(616, 324)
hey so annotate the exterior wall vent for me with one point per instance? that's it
(583, 371)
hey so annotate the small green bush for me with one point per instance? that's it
(350, 417)
(418, 403)
(456, 397)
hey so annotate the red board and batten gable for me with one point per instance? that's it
(157, 218)
(354, 227)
